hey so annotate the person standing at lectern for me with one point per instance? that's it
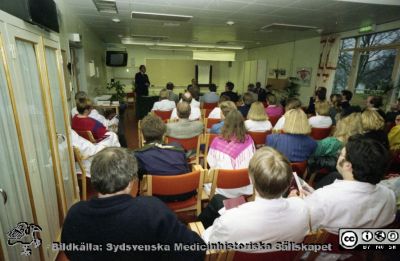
(142, 82)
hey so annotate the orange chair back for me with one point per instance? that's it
(320, 133)
(164, 115)
(210, 122)
(207, 112)
(273, 119)
(210, 106)
(176, 184)
(259, 137)
(299, 167)
(229, 179)
(187, 144)
(87, 135)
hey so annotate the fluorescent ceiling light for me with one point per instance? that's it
(116, 20)
(161, 16)
(172, 44)
(378, 2)
(214, 56)
(134, 42)
(106, 6)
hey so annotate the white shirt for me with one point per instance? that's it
(259, 126)
(94, 114)
(215, 113)
(279, 124)
(195, 114)
(319, 121)
(351, 204)
(164, 105)
(193, 103)
(263, 220)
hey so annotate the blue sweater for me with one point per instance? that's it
(296, 147)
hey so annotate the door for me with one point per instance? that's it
(15, 205)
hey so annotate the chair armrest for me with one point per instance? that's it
(196, 227)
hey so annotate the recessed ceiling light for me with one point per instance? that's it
(116, 20)
(230, 22)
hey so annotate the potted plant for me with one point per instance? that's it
(119, 94)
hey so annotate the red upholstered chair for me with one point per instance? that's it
(206, 112)
(209, 122)
(210, 106)
(229, 179)
(87, 135)
(320, 133)
(188, 144)
(300, 168)
(273, 119)
(164, 115)
(259, 137)
(177, 184)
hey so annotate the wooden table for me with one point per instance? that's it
(108, 106)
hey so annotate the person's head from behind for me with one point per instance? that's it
(142, 68)
(164, 94)
(226, 107)
(292, 103)
(153, 128)
(347, 95)
(170, 86)
(183, 110)
(363, 159)
(212, 87)
(271, 99)
(234, 127)
(372, 120)
(258, 85)
(229, 86)
(114, 171)
(322, 108)
(80, 95)
(336, 99)
(250, 87)
(296, 122)
(348, 126)
(223, 98)
(187, 97)
(247, 98)
(84, 106)
(320, 94)
(270, 173)
(257, 112)
(397, 119)
(374, 102)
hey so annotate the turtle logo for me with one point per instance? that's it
(26, 235)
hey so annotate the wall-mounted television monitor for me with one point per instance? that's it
(116, 58)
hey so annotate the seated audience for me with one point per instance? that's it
(247, 101)
(292, 103)
(257, 119)
(233, 149)
(394, 135)
(164, 104)
(375, 103)
(326, 154)
(319, 96)
(347, 108)
(116, 217)
(357, 201)
(273, 109)
(171, 95)
(234, 97)
(216, 112)
(156, 157)
(294, 143)
(82, 121)
(394, 111)
(336, 108)
(184, 129)
(194, 90)
(252, 90)
(373, 126)
(94, 114)
(261, 93)
(192, 101)
(322, 118)
(195, 112)
(225, 107)
(211, 96)
(271, 175)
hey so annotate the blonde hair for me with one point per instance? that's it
(371, 120)
(227, 107)
(270, 173)
(164, 94)
(322, 108)
(296, 122)
(348, 126)
(257, 112)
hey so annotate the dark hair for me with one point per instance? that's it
(142, 66)
(169, 86)
(230, 85)
(80, 95)
(83, 104)
(153, 128)
(112, 169)
(258, 84)
(376, 101)
(224, 98)
(248, 98)
(347, 95)
(321, 93)
(369, 158)
(212, 87)
(271, 99)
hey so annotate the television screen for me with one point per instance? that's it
(116, 58)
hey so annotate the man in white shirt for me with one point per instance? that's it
(270, 218)
(195, 113)
(164, 104)
(357, 201)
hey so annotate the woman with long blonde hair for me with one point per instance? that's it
(257, 119)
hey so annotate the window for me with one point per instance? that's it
(366, 63)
